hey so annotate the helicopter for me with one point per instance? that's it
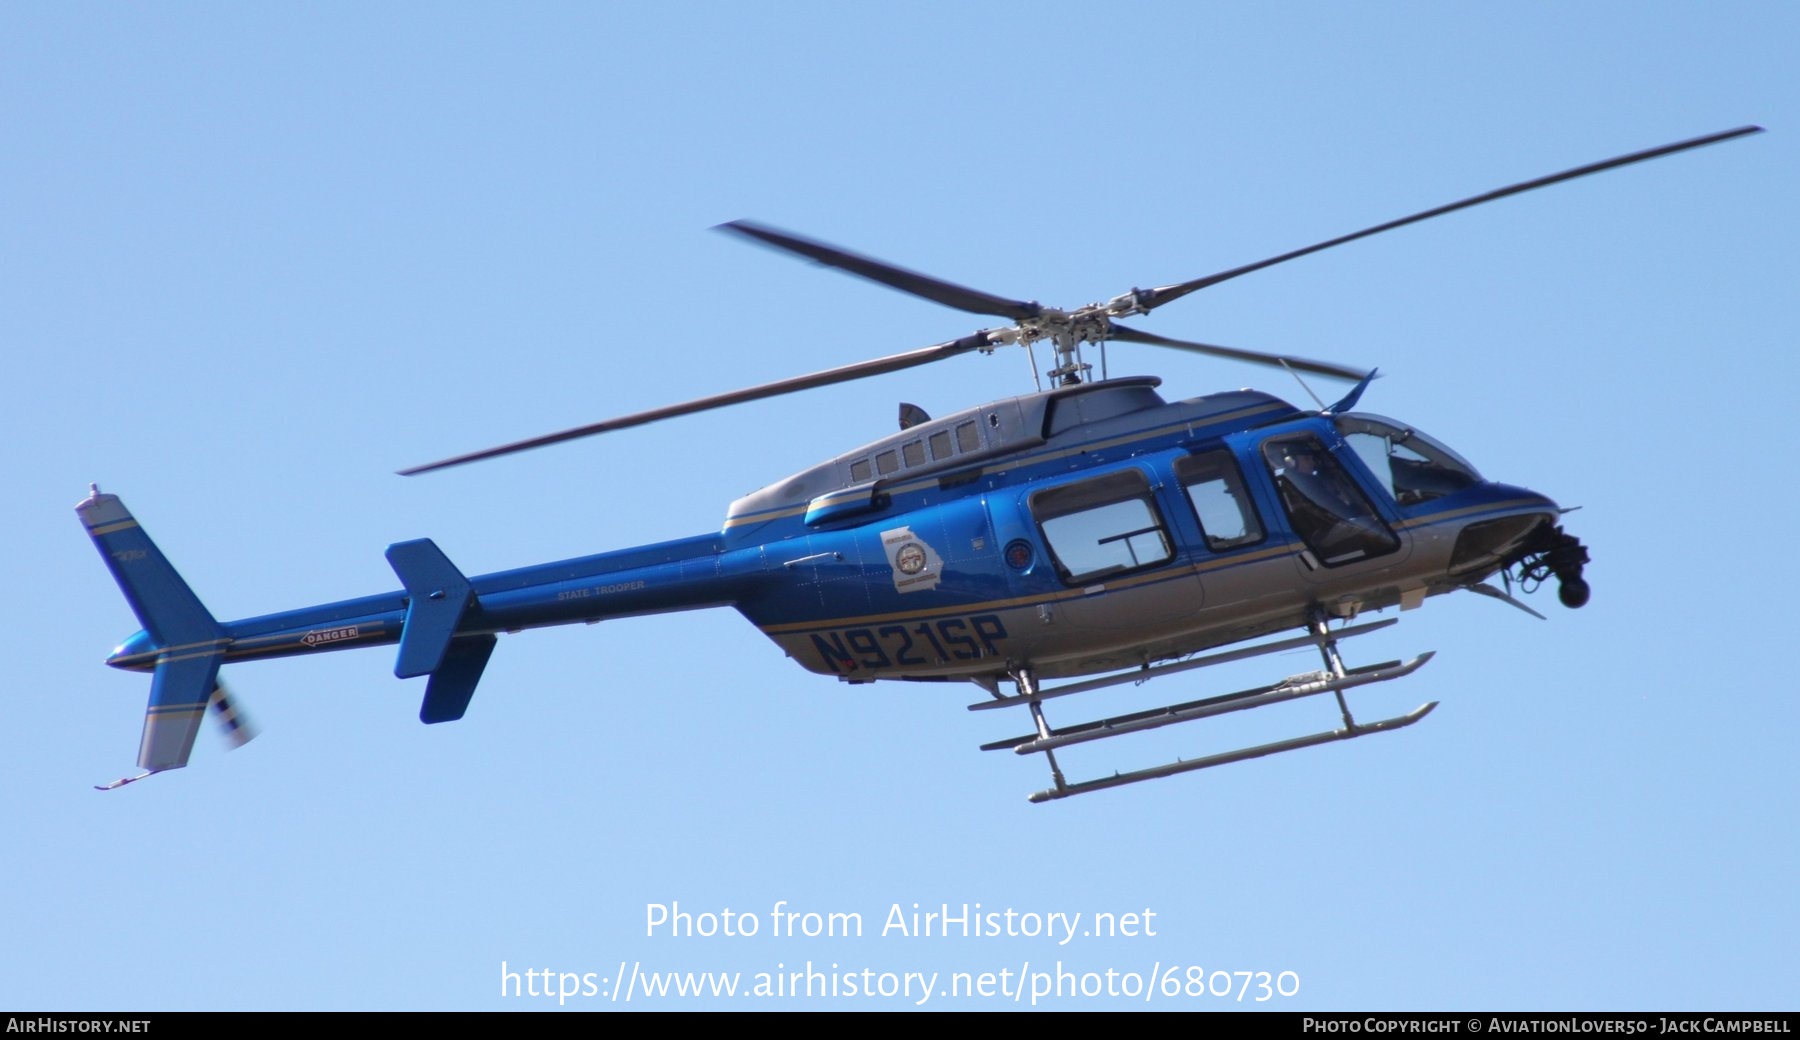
(1087, 534)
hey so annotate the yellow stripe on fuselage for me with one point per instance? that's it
(1489, 507)
(1192, 570)
(1061, 595)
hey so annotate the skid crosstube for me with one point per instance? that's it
(1333, 679)
(1286, 690)
(1143, 674)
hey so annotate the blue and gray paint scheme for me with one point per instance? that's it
(916, 557)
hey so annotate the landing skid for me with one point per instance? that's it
(1335, 679)
(1151, 672)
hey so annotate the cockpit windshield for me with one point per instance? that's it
(1411, 465)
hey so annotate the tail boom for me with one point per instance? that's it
(445, 624)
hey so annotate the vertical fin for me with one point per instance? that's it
(191, 644)
(163, 603)
(179, 692)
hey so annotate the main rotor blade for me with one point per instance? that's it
(1323, 368)
(935, 289)
(1168, 293)
(842, 374)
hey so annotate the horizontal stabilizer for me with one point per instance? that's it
(447, 694)
(437, 597)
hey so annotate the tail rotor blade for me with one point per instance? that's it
(231, 719)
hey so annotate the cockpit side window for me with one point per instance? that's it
(1327, 509)
(1413, 467)
(1215, 488)
(1102, 526)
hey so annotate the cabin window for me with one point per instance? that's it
(887, 462)
(913, 452)
(1327, 509)
(1215, 488)
(860, 471)
(1103, 526)
(968, 436)
(940, 445)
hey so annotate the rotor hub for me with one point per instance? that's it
(1067, 331)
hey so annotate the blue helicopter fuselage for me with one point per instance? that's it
(1084, 529)
(1090, 528)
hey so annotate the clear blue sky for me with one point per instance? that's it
(259, 258)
